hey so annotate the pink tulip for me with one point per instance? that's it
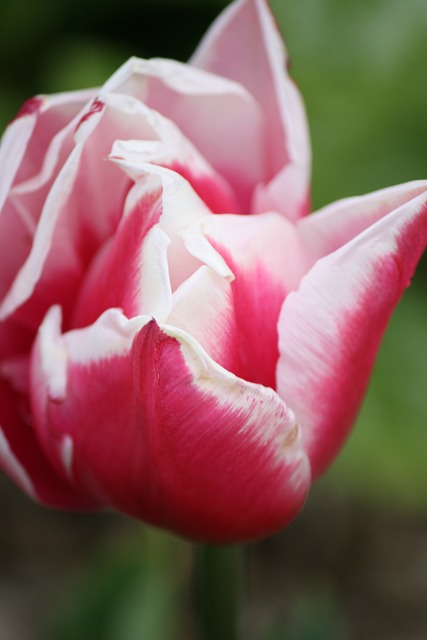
(191, 369)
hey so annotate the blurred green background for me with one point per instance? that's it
(354, 564)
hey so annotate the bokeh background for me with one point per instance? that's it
(354, 564)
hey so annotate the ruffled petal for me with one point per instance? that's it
(244, 45)
(172, 150)
(28, 157)
(161, 432)
(79, 214)
(330, 329)
(131, 270)
(218, 116)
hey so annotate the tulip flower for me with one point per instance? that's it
(179, 339)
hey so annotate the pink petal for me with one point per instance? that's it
(131, 271)
(67, 237)
(14, 339)
(132, 258)
(24, 151)
(208, 184)
(236, 322)
(334, 225)
(217, 115)
(330, 329)
(180, 207)
(163, 433)
(23, 460)
(172, 150)
(245, 46)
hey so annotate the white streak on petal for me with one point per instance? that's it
(53, 354)
(28, 276)
(13, 146)
(67, 447)
(155, 287)
(14, 468)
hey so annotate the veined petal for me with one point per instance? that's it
(244, 45)
(330, 329)
(217, 115)
(165, 434)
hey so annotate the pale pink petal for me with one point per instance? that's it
(168, 147)
(81, 211)
(330, 329)
(245, 46)
(217, 115)
(337, 223)
(163, 433)
(26, 149)
(203, 306)
(30, 133)
(13, 146)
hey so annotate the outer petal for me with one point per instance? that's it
(22, 459)
(330, 329)
(24, 153)
(161, 432)
(337, 223)
(244, 45)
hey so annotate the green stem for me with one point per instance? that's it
(219, 583)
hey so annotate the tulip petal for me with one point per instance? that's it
(330, 329)
(217, 115)
(172, 150)
(245, 46)
(23, 460)
(67, 237)
(13, 146)
(163, 433)
(131, 271)
(246, 310)
(29, 136)
(337, 223)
